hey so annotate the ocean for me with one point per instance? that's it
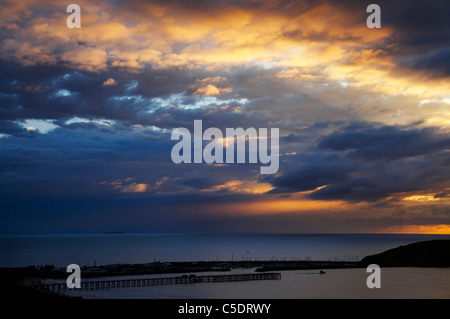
(396, 283)
(104, 249)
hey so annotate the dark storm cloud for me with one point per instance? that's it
(411, 19)
(421, 31)
(66, 93)
(368, 162)
(442, 194)
(200, 182)
(437, 62)
(11, 128)
(423, 24)
(85, 175)
(61, 94)
(316, 171)
(81, 161)
(386, 142)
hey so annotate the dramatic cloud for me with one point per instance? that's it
(86, 115)
(367, 162)
(109, 82)
(369, 142)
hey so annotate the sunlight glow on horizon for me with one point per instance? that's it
(441, 229)
(281, 206)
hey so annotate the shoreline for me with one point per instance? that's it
(425, 254)
(21, 282)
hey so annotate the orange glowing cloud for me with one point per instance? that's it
(109, 82)
(421, 198)
(277, 206)
(211, 90)
(134, 188)
(241, 186)
(426, 198)
(325, 41)
(319, 44)
(231, 36)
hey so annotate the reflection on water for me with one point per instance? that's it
(336, 283)
(103, 249)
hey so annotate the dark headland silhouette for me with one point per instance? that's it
(432, 253)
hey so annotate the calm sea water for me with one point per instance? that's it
(62, 250)
(396, 283)
(103, 249)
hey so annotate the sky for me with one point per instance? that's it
(86, 116)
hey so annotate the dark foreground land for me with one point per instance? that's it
(17, 281)
(432, 253)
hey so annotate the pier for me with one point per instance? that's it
(144, 282)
